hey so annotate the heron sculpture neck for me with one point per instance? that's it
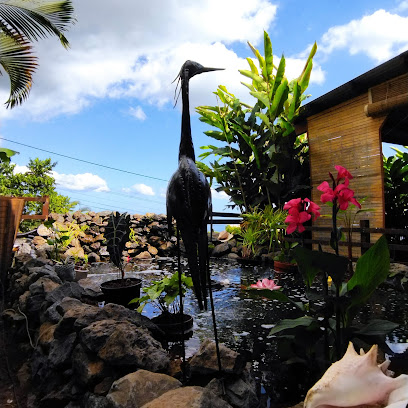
(186, 140)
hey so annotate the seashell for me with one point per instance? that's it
(357, 380)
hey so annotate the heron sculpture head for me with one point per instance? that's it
(190, 69)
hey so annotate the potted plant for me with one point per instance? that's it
(164, 296)
(81, 265)
(122, 290)
(284, 261)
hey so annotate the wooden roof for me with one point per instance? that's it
(384, 72)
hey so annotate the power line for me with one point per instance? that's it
(85, 161)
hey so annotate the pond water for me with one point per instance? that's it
(244, 321)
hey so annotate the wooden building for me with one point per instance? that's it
(347, 126)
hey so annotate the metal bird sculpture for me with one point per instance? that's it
(188, 198)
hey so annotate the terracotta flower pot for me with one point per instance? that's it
(279, 266)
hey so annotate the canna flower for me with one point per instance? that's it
(342, 193)
(295, 220)
(312, 208)
(294, 203)
(342, 173)
(328, 193)
(266, 284)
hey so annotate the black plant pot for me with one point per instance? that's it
(122, 291)
(172, 327)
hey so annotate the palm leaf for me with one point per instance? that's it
(35, 20)
(19, 63)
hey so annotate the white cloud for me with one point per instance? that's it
(219, 195)
(78, 182)
(137, 113)
(20, 169)
(138, 53)
(380, 36)
(141, 189)
(402, 6)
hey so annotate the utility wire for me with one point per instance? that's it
(85, 161)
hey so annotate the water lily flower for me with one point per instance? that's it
(342, 173)
(295, 220)
(266, 284)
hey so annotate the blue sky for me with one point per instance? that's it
(109, 99)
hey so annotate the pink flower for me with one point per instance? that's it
(312, 208)
(266, 284)
(342, 173)
(345, 196)
(328, 193)
(295, 203)
(295, 220)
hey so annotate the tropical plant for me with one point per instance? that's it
(62, 235)
(21, 23)
(36, 181)
(116, 235)
(262, 161)
(396, 189)
(328, 313)
(164, 294)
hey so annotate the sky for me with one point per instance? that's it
(104, 109)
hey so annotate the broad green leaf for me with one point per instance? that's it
(377, 327)
(6, 154)
(371, 270)
(257, 55)
(295, 101)
(279, 98)
(308, 61)
(285, 324)
(280, 73)
(268, 56)
(304, 80)
(251, 75)
(263, 117)
(254, 69)
(261, 97)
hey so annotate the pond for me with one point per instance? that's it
(244, 321)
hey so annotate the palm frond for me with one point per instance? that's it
(19, 63)
(34, 20)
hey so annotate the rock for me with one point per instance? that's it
(204, 362)
(104, 386)
(65, 272)
(124, 344)
(48, 271)
(221, 249)
(144, 255)
(188, 397)
(43, 286)
(38, 240)
(94, 257)
(152, 250)
(68, 289)
(46, 335)
(95, 401)
(24, 249)
(232, 256)
(88, 371)
(22, 300)
(61, 350)
(138, 388)
(43, 231)
(51, 314)
(103, 251)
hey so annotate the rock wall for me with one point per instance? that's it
(82, 356)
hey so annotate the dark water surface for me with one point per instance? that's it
(244, 321)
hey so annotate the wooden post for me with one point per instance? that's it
(364, 236)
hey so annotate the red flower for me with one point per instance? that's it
(295, 220)
(345, 196)
(312, 208)
(295, 203)
(328, 192)
(342, 173)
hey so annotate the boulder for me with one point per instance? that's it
(88, 371)
(68, 289)
(205, 362)
(38, 241)
(61, 350)
(221, 249)
(43, 231)
(138, 388)
(43, 286)
(144, 255)
(124, 344)
(188, 397)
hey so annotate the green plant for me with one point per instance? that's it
(133, 236)
(116, 235)
(62, 235)
(6, 154)
(327, 323)
(164, 294)
(262, 160)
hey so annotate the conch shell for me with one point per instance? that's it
(357, 380)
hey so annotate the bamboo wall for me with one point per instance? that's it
(344, 135)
